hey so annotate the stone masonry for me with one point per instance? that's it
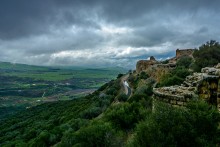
(204, 85)
(184, 52)
(144, 65)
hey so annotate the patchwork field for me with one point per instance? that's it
(24, 86)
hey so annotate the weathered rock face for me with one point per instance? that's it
(205, 85)
(158, 70)
(145, 64)
(154, 68)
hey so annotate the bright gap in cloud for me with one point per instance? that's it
(110, 29)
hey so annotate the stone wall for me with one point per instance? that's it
(154, 69)
(174, 95)
(204, 85)
(143, 65)
(184, 52)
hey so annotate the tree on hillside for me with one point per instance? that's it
(207, 55)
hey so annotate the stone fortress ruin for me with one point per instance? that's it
(143, 65)
(204, 85)
(184, 52)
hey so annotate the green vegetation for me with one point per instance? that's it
(96, 121)
(135, 79)
(62, 123)
(122, 97)
(207, 55)
(177, 76)
(184, 62)
(107, 117)
(24, 86)
(125, 115)
(196, 125)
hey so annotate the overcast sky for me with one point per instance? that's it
(103, 32)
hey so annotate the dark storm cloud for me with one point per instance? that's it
(31, 17)
(110, 31)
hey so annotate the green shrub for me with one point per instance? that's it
(165, 62)
(91, 112)
(147, 90)
(181, 72)
(133, 80)
(77, 123)
(125, 115)
(175, 77)
(175, 80)
(122, 97)
(41, 140)
(184, 62)
(207, 55)
(103, 102)
(144, 75)
(111, 91)
(96, 134)
(167, 126)
(137, 97)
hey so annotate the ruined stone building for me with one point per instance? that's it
(204, 85)
(184, 52)
(144, 65)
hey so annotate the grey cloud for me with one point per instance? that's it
(27, 17)
(31, 31)
(30, 17)
(148, 36)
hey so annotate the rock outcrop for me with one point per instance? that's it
(204, 85)
(145, 64)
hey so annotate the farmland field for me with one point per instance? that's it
(24, 86)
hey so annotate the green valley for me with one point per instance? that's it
(23, 86)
